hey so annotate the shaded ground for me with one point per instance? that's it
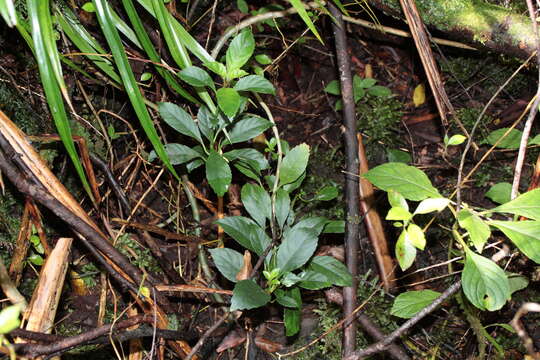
(304, 113)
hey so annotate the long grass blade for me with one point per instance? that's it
(39, 16)
(299, 6)
(106, 22)
(153, 55)
(86, 43)
(7, 10)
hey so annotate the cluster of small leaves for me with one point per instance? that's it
(214, 131)
(137, 254)
(290, 264)
(485, 284)
(361, 89)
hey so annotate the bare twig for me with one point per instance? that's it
(534, 108)
(403, 329)
(206, 335)
(522, 333)
(351, 182)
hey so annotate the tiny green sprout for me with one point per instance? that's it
(146, 76)
(89, 7)
(454, 140)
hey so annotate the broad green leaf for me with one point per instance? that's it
(228, 261)
(248, 295)
(484, 283)
(334, 227)
(257, 203)
(292, 317)
(524, 234)
(240, 50)
(194, 164)
(535, 140)
(9, 318)
(517, 282)
(477, 228)
(527, 205)
(327, 193)
(246, 232)
(218, 173)
(313, 280)
(290, 279)
(500, 192)
(247, 128)
(409, 181)
(242, 6)
(315, 223)
(89, 7)
(250, 155)
(256, 84)
(416, 236)
(379, 91)
(409, 303)
(333, 88)
(178, 154)
(284, 298)
(511, 141)
(294, 164)
(405, 251)
(364, 83)
(296, 249)
(396, 155)
(398, 213)
(196, 76)
(263, 59)
(283, 207)
(295, 184)
(397, 200)
(179, 119)
(300, 8)
(432, 204)
(334, 270)
(228, 101)
(207, 122)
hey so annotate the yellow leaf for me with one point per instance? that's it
(419, 96)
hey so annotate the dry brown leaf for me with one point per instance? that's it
(233, 339)
(244, 272)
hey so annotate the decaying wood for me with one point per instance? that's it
(422, 42)
(373, 223)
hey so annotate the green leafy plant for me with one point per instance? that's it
(362, 88)
(286, 243)
(485, 284)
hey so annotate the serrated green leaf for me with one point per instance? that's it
(228, 101)
(218, 173)
(409, 181)
(296, 249)
(524, 234)
(500, 193)
(196, 76)
(257, 203)
(256, 84)
(409, 303)
(484, 283)
(294, 164)
(248, 295)
(240, 50)
(527, 205)
(179, 119)
(478, 230)
(229, 262)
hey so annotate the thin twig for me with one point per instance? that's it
(206, 336)
(351, 182)
(532, 113)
